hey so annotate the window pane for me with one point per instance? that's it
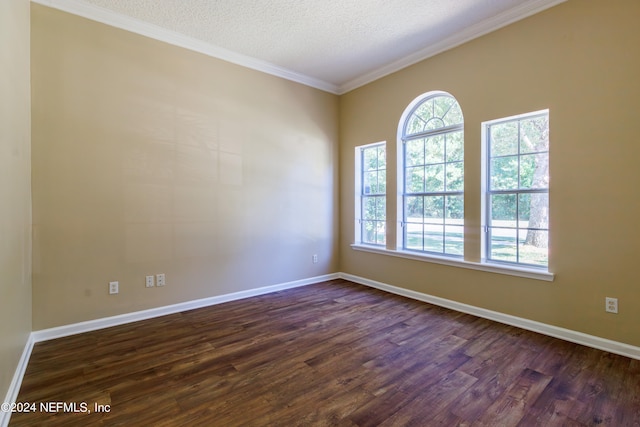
(415, 179)
(414, 152)
(534, 171)
(534, 134)
(433, 238)
(370, 182)
(534, 247)
(369, 208)
(503, 244)
(442, 105)
(414, 125)
(504, 173)
(434, 209)
(434, 178)
(504, 139)
(527, 166)
(434, 123)
(434, 149)
(370, 159)
(382, 182)
(454, 211)
(425, 111)
(381, 233)
(454, 116)
(381, 208)
(369, 231)
(503, 210)
(533, 210)
(454, 240)
(524, 209)
(414, 236)
(382, 158)
(455, 146)
(414, 209)
(455, 176)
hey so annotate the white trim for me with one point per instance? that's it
(16, 382)
(487, 26)
(484, 176)
(530, 325)
(529, 273)
(106, 322)
(127, 23)
(358, 186)
(550, 330)
(114, 19)
(400, 155)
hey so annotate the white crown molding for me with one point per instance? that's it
(487, 26)
(114, 19)
(530, 325)
(127, 23)
(16, 382)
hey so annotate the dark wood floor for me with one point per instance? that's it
(330, 354)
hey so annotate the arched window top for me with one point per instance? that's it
(433, 112)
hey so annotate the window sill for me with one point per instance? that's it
(529, 273)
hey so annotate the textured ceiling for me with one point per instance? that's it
(339, 44)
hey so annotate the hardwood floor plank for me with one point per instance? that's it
(511, 407)
(601, 392)
(330, 354)
(422, 409)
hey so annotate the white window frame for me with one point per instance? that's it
(486, 195)
(401, 192)
(360, 195)
(523, 271)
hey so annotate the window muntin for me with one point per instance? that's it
(517, 189)
(433, 176)
(372, 192)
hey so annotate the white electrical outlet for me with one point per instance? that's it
(113, 288)
(149, 282)
(314, 258)
(160, 279)
(611, 305)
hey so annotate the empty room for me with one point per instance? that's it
(296, 213)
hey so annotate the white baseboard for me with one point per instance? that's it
(531, 325)
(106, 322)
(16, 382)
(92, 325)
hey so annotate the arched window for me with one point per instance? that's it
(432, 175)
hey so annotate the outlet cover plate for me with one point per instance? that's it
(113, 288)
(611, 305)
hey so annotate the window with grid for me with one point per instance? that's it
(517, 189)
(433, 176)
(371, 167)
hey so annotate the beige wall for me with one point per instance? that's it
(149, 158)
(579, 59)
(15, 187)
